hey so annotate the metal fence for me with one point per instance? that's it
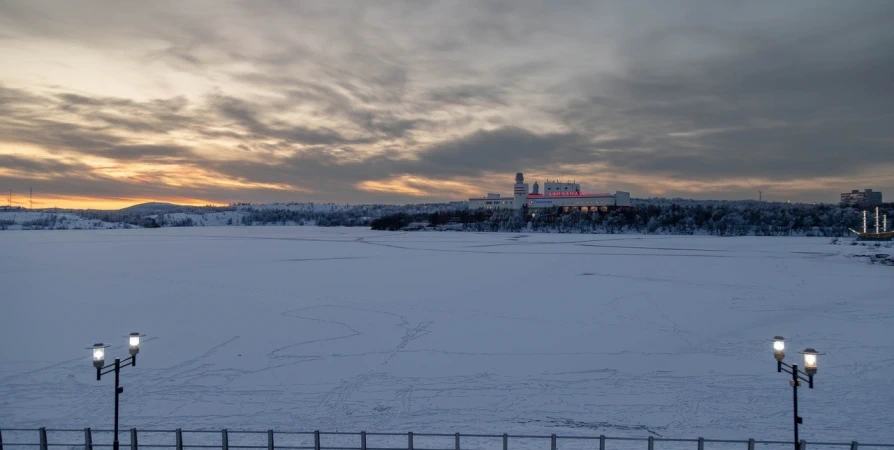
(134, 439)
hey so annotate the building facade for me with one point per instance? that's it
(567, 196)
(865, 199)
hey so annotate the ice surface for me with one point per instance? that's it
(348, 329)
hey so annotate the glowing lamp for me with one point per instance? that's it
(99, 355)
(810, 361)
(779, 348)
(134, 341)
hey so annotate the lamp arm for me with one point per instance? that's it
(130, 361)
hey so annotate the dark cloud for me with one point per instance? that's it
(502, 150)
(245, 115)
(482, 95)
(39, 166)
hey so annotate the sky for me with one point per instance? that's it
(108, 104)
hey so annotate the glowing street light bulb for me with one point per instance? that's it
(778, 343)
(779, 348)
(99, 355)
(134, 341)
(810, 361)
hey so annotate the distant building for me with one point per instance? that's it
(864, 199)
(565, 195)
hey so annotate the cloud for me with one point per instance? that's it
(434, 99)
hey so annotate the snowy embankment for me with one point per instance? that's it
(26, 220)
(346, 329)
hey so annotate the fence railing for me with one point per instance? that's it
(135, 439)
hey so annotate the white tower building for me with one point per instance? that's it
(520, 191)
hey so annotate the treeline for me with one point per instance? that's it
(656, 216)
(327, 216)
(347, 218)
(653, 217)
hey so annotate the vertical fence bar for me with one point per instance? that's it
(456, 438)
(179, 433)
(701, 443)
(133, 439)
(269, 439)
(505, 441)
(410, 440)
(651, 443)
(854, 445)
(1, 439)
(802, 445)
(43, 438)
(601, 442)
(751, 444)
(362, 440)
(224, 440)
(317, 440)
(552, 444)
(88, 439)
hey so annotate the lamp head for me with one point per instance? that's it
(810, 361)
(134, 343)
(99, 355)
(779, 348)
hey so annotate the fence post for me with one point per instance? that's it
(601, 442)
(751, 444)
(803, 445)
(552, 444)
(505, 441)
(224, 440)
(269, 439)
(43, 438)
(1, 439)
(317, 440)
(854, 445)
(133, 439)
(179, 434)
(88, 439)
(362, 440)
(701, 443)
(651, 443)
(410, 440)
(456, 437)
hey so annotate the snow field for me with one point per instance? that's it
(348, 329)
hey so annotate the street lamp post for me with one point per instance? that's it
(99, 351)
(797, 376)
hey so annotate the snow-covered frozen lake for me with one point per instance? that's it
(299, 328)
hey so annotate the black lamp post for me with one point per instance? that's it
(797, 376)
(99, 356)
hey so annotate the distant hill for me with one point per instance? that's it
(153, 208)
